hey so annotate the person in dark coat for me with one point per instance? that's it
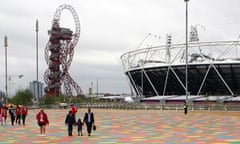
(185, 107)
(70, 121)
(79, 127)
(89, 120)
(12, 113)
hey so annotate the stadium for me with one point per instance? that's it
(213, 69)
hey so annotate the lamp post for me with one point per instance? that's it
(186, 76)
(91, 93)
(37, 29)
(97, 87)
(6, 75)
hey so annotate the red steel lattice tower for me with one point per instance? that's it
(59, 54)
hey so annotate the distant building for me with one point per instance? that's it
(37, 89)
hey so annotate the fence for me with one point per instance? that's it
(136, 106)
(144, 106)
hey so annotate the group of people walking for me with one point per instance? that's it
(88, 119)
(70, 121)
(17, 114)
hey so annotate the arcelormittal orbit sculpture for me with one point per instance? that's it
(59, 54)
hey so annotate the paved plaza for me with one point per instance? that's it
(132, 127)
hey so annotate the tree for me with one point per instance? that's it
(22, 97)
(49, 100)
(63, 98)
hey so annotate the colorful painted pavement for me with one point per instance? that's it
(131, 127)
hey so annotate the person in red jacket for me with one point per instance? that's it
(73, 109)
(42, 120)
(1, 118)
(18, 113)
(24, 114)
(4, 115)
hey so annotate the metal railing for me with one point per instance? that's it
(144, 106)
(136, 106)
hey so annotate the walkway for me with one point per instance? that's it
(132, 127)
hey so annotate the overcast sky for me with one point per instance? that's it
(109, 28)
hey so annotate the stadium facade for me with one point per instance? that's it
(213, 68)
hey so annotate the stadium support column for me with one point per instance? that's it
(186, 77)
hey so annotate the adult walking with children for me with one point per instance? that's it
(70, 121)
